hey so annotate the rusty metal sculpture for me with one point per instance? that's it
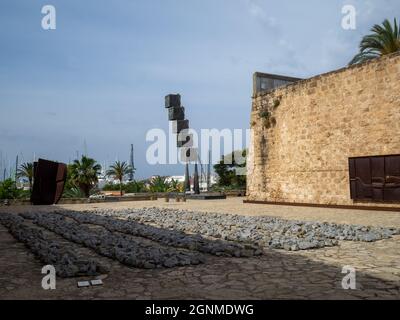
(375, 178)
(48, 182)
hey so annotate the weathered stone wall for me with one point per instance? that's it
(304, 133)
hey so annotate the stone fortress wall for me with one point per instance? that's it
(305, 132)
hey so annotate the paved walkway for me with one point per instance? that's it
(312, 274)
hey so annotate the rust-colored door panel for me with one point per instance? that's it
(48, 182)
(375, 178)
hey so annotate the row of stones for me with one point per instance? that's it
(131, 251)
(50, 251)
(263, 231)
(174, 238)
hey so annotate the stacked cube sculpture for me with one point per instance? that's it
(184, 140)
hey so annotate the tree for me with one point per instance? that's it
(135, 187)
(119, 170)
(83, 174)
(228, 170)
(385, 39)
(8, 189)
(26, 171)
(175, 186)
(159, 184)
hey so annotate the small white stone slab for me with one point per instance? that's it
(83, 284)
(97, 282)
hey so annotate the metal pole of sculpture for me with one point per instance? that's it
(209, 171)
(196, 186)
(187, 179)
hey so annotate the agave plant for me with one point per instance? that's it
(74, 192)
(385, 39)
(119, 170)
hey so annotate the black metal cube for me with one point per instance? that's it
(188, 154)
(173, 100)
(176, 113)
(179, 125)
(184, 139)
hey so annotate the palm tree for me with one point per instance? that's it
(159, 184)
(119, 170)
(26, 171)
(84, 174)
(175, 186)
(385, 39)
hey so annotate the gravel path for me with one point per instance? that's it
(260, 231)
(128, 250)
(50, 251)
(166, 237)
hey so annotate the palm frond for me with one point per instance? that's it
(383, 40)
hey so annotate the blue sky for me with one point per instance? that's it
(101, 76)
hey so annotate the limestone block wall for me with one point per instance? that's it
(304, 133)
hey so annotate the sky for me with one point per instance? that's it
(99, 79)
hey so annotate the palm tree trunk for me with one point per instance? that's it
(86, 190)
(120, 187)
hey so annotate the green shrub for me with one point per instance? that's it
(8, 190)
(73, 192)
(130, 187)
(135, 187)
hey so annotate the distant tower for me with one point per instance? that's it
(209, 171)
(132, 164)
(16, 171)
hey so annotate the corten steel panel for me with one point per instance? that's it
(392, 169)
(49, 180)
(392, 178)
(375, 178)
(353, 182)
(363, 179)
(60, 181)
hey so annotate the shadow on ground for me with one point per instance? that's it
(275, 275)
